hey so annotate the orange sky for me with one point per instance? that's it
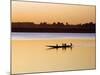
(47, 12)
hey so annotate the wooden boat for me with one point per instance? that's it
(60, 46)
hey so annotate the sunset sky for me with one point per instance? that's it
(47, 12)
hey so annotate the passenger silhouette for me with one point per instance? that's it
(71, 44)
(65, 45)
(62, 44)
(57, 45)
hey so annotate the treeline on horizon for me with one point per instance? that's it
(54, 27)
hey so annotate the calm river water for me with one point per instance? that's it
(30, 54)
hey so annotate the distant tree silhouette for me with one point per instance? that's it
(45, 23)
(90, 23)
(54, 27)
(62, 24)
(58, 23)
(54, 23)
(41, 23)
(67, 23)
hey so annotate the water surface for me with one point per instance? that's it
(30, 54)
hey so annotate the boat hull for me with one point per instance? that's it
(60, 46)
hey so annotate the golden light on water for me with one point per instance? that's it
(33, 55)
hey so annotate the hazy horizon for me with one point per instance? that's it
(48, 12)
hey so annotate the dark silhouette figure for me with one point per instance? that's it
(62, 44)
(65, 45)
(71, 44)
(56, 45)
